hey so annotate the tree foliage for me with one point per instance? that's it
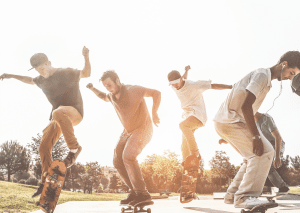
(113, 183)
(91, 178)
(14, 158)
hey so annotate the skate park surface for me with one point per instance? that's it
(207, 204)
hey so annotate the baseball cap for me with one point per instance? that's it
(37, 59)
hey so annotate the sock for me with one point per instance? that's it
(73, 150)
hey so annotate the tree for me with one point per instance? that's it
(14, 158)
(91, 178)
(59, 150)
(113, 183)
(221, 169)
(22, 175)
(104, 182)
(37, 169)
(73, 176)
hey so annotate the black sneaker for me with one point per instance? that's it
(71, 158)
(131, 196)
(39, 190)
(141, 198)
(283, 191)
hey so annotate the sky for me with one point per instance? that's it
(143, 41)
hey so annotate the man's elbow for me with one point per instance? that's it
(157, 94)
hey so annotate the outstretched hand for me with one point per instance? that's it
(85, 52)
(187, 68)
(89, 86)
(4, 76)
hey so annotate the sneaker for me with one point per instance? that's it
(283, 191)
(71, 157)
(39, 190)
(131, 196)
(249, 202)
(228, 198)
(140, 198)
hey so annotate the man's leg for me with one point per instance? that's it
(136, 143)
(277, 181)
(66, 117)
(119, 165)
(250, 180)
(50, 136)
(188, 127)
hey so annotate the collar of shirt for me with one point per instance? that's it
(269, 77)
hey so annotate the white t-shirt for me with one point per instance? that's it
(257, 82)
(190, 96)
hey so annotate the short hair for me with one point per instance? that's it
(292, 58)
(173, 75)
(110, 74)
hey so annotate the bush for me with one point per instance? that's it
(14, 180)
(22, 175)
(22, 181)
(32, 181)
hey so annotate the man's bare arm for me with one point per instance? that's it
(100, 94)
(156, 95)
(86, 72)
(277, 161)
(247, 110)
(221, 86)
(185, 75)
(24, 79)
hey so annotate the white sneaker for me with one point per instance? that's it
(228, 198)
(249, 202)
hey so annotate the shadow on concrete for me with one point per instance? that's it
(289, 206)
(207, 210)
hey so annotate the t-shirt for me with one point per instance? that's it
(131, 107)
(62, 89)
(295, 84)
(192, 102)
(267, 125)
(258, 83)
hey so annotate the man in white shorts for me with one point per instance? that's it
(235, 123)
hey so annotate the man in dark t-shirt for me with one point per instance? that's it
(131, 108)
(61, 87)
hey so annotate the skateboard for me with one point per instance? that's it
(261, 208)
(271, 197)
(189, 179)
(55, 178)
(139, 207)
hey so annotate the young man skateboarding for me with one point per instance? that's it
(268, 128)
(61, 87)
(194, 112)
(266, 125)
(131, 108)
(235, 123)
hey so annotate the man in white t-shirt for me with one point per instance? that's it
(192, 103)
(235, 123)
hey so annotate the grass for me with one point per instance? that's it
(16, 197)
(294, 190)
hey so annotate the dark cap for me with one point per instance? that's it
(37, 59)
(295, 84)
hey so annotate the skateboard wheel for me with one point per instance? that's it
(135, 210)
(243, 211)
(148, 210)
(122, 210)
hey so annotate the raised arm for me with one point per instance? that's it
(221, 86)
(100, 94)
(277, 161)
(185, 75)
(156, 95)
(86, 72)
(24, 79)
(247, 110)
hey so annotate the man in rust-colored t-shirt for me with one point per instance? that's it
(131, 108)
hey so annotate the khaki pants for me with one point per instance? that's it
(188, 127)
(250, 179)
(64, 118)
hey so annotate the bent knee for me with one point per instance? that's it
(57, 114)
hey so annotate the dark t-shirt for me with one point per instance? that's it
(131, 107)
(62, 89)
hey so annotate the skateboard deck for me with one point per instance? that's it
(54, 181)
(271, 197)
(139, 207)
(261, 208)
(189, 179)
